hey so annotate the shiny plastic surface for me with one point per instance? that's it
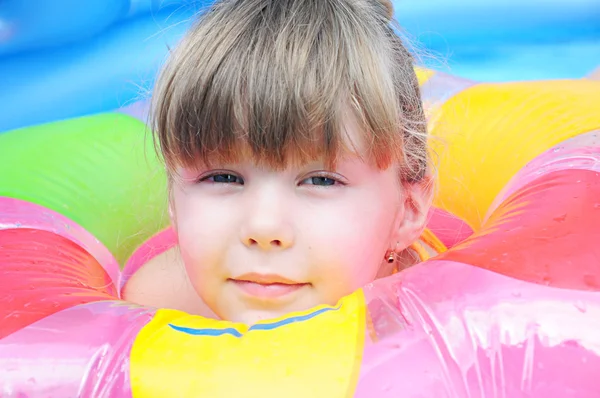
(446, 329)
(99, 171)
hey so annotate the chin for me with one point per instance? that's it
(251, 317)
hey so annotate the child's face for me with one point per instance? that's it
(258, 243)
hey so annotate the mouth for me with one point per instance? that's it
(266, 286)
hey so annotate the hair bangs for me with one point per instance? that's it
(275, 81)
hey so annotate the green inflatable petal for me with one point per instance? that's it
(100, 171)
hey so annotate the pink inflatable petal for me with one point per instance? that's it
(16, 213)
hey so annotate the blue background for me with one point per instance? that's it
(67, 58)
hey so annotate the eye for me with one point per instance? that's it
(223, 178)
(322, 181)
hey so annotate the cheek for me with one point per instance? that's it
(361, 248)
(203, 231)
(350, 241)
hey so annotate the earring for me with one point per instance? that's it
(391, 257)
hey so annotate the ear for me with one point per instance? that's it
(412, 219)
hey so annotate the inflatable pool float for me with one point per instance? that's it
(510, 307)
(62, 59)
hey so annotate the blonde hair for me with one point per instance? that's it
(277, 75)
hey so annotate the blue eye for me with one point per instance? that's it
(320, 181)
(224, 178)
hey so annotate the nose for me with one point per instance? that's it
(267, 225)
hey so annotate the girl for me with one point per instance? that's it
(295, 143)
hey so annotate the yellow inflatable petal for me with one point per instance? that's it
(485, 134)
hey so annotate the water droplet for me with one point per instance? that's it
(557, 149)
(581, 306)
(516, 293)
(560, 218)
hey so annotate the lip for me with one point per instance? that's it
(266, 286)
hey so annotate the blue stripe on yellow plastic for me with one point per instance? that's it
(206, 332)
(287, 321)
(262, 326)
